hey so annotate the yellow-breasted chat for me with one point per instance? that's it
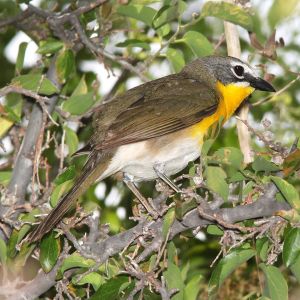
(154, 130)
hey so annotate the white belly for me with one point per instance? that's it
(138, 160)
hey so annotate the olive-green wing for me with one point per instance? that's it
(165, 106)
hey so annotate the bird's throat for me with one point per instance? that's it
(231, 97)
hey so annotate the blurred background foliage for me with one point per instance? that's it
(158, 37)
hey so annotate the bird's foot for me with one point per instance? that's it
(159, 170)
(147, 203)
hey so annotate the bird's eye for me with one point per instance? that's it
(239, 71)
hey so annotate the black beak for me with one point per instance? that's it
(261, 84)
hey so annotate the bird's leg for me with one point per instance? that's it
(159, 170)
(129, 181)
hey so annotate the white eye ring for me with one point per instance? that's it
(238, 69)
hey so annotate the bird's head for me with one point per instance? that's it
(230, 70)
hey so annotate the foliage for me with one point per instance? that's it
(98, 253)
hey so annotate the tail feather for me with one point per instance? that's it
(95, 166)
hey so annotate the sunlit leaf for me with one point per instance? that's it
(5, 175)
(35, 82)
(192, 288)
(134, 43)
(288, 191)
(280, 10)
(68, 174)
(76, 260)
(65, 64)
(95, 279)
(139, 12)
(262, 164)
(79, 104)
(168, 221)
(229, 156)
(50, 46)
(3, 252)
(59, 190)
(262, 246)
(49, 251)
(215, 180)
(174, 280)
(214, 230)
(165, 15)
(228, 12)
(226, 266)
(291, 247)
(198, 43)
(111, 289)
(20, 57)
(276, 285)
(176, 59)
(71, 140)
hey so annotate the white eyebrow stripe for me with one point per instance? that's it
(242, 83)
(246, 67)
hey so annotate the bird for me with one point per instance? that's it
(155, 129)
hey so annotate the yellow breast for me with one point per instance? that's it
(232, 95)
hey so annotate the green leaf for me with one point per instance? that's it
(81, 88)
(174, 280)
(291, 247)
(11, 245)
(276, 285)
(112, 288)
(50, 46)
(262, 164)
(206, 146)
(163, 30)
(168, 221)
(214, 230)
(67, 175)
(75, 260)
(176, 59)
(65, 65)
(192, 288)
(95, 279)
(226, 266)
(295, 268)
(59, 190)
(79, 104)
(229, 156)
(30, 218)
(280, 10)
(20, 58)
(215, 180)
(198, 43)
(49, 251)
(165, 15)
(172, 253)
(228, 12)
(35, 82)
(71, 140)
(13, 107)
(3, 252)
(134, 43)
(139, 12)
(5, 177)
(262, 246)
(288, 191)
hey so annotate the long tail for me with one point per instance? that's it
(95, 166)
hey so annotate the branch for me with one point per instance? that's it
(23, 167)
(265, 206)
(39, 285)
(234, 49)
